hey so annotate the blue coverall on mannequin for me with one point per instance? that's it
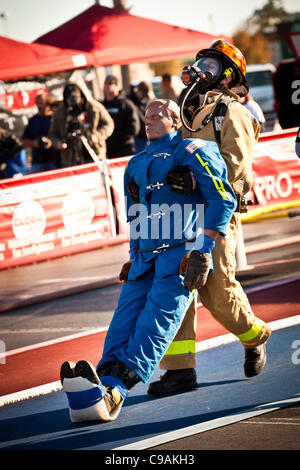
(165, 225)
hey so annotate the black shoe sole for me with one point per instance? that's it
(86, 370)
(67, 371)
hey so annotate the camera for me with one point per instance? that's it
(43, 143)
(74, 130)
(74, 127)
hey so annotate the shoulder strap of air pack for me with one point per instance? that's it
(218, 115)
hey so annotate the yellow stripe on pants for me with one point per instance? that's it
(187, 346)
(253, 332)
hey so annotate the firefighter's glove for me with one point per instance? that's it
(133, 190)
(195, 265)
(181, 179)
(123, 276)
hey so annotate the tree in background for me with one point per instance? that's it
(270, 14)
(253, 46)
(121, 5)
(173, 67)
(255, 37)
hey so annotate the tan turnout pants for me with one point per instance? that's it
(225, 299)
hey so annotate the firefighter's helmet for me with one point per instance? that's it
(223, 49)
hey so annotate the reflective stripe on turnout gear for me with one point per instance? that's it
(253, 332)
(217, 181)
(187, 346)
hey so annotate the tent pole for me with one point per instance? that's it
(121, 5)
(97, 84)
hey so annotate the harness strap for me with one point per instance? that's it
(164, 247)
(218, 115)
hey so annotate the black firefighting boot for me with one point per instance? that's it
(174, 381)
(117, 379)
(255, 360)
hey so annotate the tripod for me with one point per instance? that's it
(103, 168)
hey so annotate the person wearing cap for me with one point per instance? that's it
(167, 88)
(142, 95)
(126, 120)
(79, 114)
(214, 85)
(169, 258)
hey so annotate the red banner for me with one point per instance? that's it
(276, 169)
(58, 213)
(22, 99)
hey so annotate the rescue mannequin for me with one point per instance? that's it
(169, 259)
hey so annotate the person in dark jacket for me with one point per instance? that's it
(36, 137)
(124, 113)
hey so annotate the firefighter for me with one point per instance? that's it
(210, 105)
(169, 258)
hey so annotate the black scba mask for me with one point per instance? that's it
(206, 73)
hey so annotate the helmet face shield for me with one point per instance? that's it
(211, 65)
(205, 73)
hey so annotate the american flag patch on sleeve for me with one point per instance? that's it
(194, 145)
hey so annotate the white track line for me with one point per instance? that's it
(30, 393)
(208, 425)
(51, 342)
(230, 338)
(200, 346)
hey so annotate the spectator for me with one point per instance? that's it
(79, 114)
(143, 95)
(124, 113)
(35, 137)
(167, 89)
(255, 109)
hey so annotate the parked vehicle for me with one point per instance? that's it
(259, 77)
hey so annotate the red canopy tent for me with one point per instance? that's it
(19, 59)
(116, 37)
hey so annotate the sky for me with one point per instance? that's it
(26, 20)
